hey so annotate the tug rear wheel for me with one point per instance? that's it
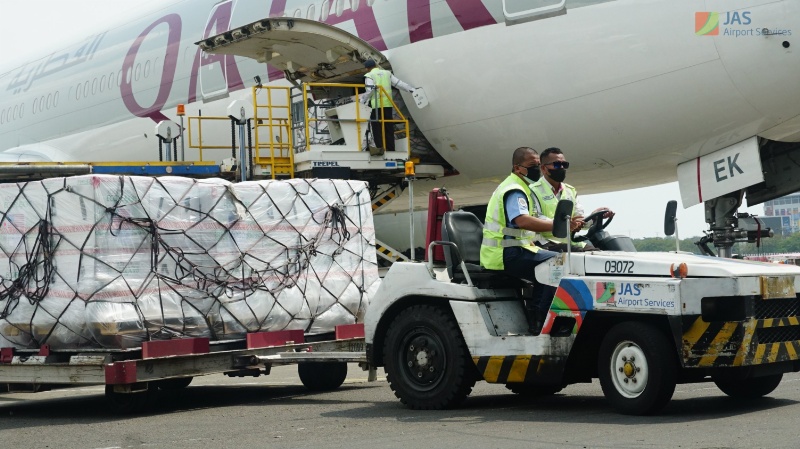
(426, 360)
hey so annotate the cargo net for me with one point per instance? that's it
(112, 261)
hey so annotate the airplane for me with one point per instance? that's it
(631, 90)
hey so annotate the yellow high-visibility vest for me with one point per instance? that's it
(495, 227)
(381, 78)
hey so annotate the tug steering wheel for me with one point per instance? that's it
(598, 224)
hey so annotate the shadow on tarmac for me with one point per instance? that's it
(483, 408)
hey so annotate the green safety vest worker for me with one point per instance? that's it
(378, 77)
(382, 79)
(545, 202)
(495, 228)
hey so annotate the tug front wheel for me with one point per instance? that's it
(426, 360)
(637, 367)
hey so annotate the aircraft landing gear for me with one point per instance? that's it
(729, 226)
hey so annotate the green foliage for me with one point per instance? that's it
(659, 244)
(777, 244)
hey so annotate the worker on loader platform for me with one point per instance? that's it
(381, 106)
(510, 231)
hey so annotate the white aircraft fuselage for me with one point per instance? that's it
(626, 88)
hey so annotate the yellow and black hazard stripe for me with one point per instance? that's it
(736, 343)
(388, 252)
(519, 368)
(378, 203)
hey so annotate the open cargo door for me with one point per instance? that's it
(306, 50)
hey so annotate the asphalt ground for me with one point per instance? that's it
(277, 411)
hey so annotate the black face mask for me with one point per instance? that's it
(558, 175)
(533, 175)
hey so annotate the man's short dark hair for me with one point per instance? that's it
(549, 151)
(520, 153)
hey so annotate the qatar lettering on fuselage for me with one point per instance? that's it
(469, 14)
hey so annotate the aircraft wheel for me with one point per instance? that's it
(426, 360)
(752, 388)
(533, 391)
(322, 376)
(637, 368)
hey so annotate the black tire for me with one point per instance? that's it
(752, 388)
(322, 376)
(533, 391)
(638, 368)
(426, 360)
(174, 384)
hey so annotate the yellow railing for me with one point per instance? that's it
(197, 142)
(274, 144)
(278, 126)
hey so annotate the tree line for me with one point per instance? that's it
(777, 244)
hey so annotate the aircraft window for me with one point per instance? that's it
(2, 116)
(310, 13)
(16, 110)
(94, 86)
(21, 110)
(35, 104)
(119, 78)
(137, 72)
(55, 100)
(147, 69)
(518, 11)
(339, 8)
(110, 80)
(324, 11)
(103, 83)
(128, 74)
(49, 101)
(78, 92)
(86, 89)
(298, 14)
(354, 4)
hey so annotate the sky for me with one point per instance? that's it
(34, 28)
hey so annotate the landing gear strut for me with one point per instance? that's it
(729, 226)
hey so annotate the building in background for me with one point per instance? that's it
(783, 214)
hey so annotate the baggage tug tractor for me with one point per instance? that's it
(640, 322)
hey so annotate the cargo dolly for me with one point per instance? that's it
(133, 376)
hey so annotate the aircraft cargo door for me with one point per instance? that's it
(213, 67)
(305, 50)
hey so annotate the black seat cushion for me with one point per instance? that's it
(466, 231)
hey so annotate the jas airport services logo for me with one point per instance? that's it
(732, 24)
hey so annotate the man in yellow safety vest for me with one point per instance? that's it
(510, 232)
(548, 191)
(382, 132)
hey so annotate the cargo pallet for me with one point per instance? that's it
(131, 376)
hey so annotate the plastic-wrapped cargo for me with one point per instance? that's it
(112, 261)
